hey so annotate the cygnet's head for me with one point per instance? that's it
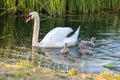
(81, 46)
(65, 45)
(93, 39)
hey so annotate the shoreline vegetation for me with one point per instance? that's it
(22, 70)
(59, 7)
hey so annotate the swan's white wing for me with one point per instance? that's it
(56, 37)
(72, 39)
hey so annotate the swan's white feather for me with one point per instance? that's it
(56, 37)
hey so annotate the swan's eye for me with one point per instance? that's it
(29, 16)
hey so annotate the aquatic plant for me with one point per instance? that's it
(59, 7)
(47, 71)
(17, 75)
(18, 64)
(106, 75)
(112, 66)
(73, 71)
(8, 73)
(62, 76)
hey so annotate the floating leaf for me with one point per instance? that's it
(113, 66)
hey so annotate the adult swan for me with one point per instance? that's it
(55, 38)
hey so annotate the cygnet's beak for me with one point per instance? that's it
(95, 41)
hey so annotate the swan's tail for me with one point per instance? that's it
(75, 35)
(73, 39)
(78, 30)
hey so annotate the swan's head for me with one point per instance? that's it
(32, 15)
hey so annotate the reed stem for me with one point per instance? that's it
(60, 7)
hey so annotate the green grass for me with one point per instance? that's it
(60, 7)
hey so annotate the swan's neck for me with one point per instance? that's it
(36, 31)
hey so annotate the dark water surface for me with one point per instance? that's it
(15, 34)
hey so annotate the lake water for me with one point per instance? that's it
(16, 38)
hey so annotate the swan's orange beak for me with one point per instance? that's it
(28, 19)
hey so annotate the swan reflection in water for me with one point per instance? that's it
(53, 59)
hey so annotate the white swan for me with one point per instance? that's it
(55, 38)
